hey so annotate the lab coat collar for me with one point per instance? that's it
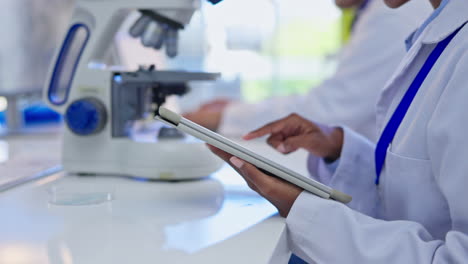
(454, 15)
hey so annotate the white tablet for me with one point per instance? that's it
(264, 164)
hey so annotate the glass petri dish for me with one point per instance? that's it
(80, 194)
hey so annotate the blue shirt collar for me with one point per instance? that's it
(417, 33)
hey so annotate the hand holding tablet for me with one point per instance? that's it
(256, 160)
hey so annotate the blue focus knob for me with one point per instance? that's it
(86, 116)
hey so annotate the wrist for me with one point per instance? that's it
(336, 144)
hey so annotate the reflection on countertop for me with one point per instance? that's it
(147, 221)
(26, 155)
(212, 220)
(4, 153)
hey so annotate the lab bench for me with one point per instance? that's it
(127, 220)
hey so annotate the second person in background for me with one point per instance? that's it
(349, 96)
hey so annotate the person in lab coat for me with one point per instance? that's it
(349, 96)
(409, 190)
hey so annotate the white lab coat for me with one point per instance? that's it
(349, 96)
(419, 212)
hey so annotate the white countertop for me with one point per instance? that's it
(214, 220)
(25, 156)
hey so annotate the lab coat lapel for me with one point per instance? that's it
(440, 28)
(394, 84)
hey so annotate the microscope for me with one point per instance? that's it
(101, 104)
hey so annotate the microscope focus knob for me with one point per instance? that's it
(86, 116)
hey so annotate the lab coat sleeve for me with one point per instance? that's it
(355, 173)
(324, 171)
(324, 231)
(349, 96)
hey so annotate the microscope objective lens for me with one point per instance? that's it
(172, 39)
(152, 34)
(161, 38)
(139, 27)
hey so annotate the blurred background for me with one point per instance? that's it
(32, 30)
(262, 48)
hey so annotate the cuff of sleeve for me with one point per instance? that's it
(356, 151)
(319, 170)
(309, 223)
(331, 166)
(295, 224)
(356, 172)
